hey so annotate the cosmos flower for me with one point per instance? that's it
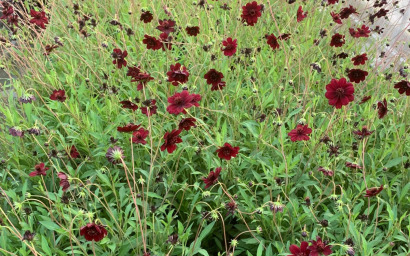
(301, 132)
(187, 123)
(299, 251)
(373, 191)
(58, 95)
(40, 169)
(64, 183)
(178, 74)
(139, 136)
(38, 18)
(119, 58)
(382, 108)
(229, 48)
(212, 177)
(146, 17)
(403, 87)
(337, 40)
(272, 41)
(251, 12)
(227, 151)
(300, 15)
(92, 231)
(360, 59)
(181, 101)
(213, 77)
(171, 139)
(192, 31)
(339, 92)
(318, 248)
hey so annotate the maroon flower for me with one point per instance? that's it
(284, 36)
(7, 12)
(302, 251)
(272, 41)
(146, 17)
(166, 26)
(192, 31)
(339, 92)
(373, 191)
(346, 12)
(128, 128)
(212, 177)
(114, 155)
(353, 166)
(93, 231)
(363, 132)
(365, 99)
(382, 108)
(187, 123)
(139, 136)
(301, 132)
(213, 77)
(143, 79)
(39, 18)
(326, 172)
(231, 207)
(357, 75)
(332, 1)
(359, 59)
(165, 41)
(364, 31)
(218, 86)
(230, 46)
(227, 151)
(58, 95)
(336, 17)
(149, 108)
(251, 12)
(129, 105)
(40, 169)
(403, 87)
(73, 152)
(171, 139)
(319, 248)
(63, 181)
(337, 40)
(119, 58)
(178, 74)
(180, 101)
(133, 71)
(300, 15)
(152, 42)
(16, 131)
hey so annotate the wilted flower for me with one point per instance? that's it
(115, 154)
(16, 131)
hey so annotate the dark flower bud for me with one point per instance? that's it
(307, 201)
(304, 233)
(28, 236)
(324, 223)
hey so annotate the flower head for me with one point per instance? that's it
(299, 251)
(187, 123)
(27, 98)
(119, 58)
(300, 15)
(181, 101)
(16, 131)
(229, 48)
(272, 41)
(251, 12)
(373, 191)
(178, 74)
(129, 105)
(318, 248)
(149, 107)
(152, 42)
(231, 207)
(115, 155)
(64, 183)
(192, 31)
(364, 132)
(301, 132)
(58, 95)
(146, 17)
(227, 151)
(403, 87)
(339, 92)
(347, 11)
(139, 136)
(38, 18)
(212, 177)
(128, 128)
(213, 77)
(73, 152)
(360, 59)
(171, 139)
(326, 172)
(382, 108)
(40, 169)
(338, 40)
(336, 17)
(166, 26)
(92, 231)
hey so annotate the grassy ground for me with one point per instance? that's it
(156, 202)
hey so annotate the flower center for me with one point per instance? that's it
(340, 93)
(178, 100)
(252, 12)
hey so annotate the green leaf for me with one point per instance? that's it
(44, 246)
(49, 225)
(260, 249)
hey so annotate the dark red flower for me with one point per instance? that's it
(302, 251)
(38, 18)
(165, 41)
(178, 74)
(49, 49)
(336, 17)
(251, 12)
(284, 37)
(73, 152)
(7, 11)
(58, 95)
(363, 132)
(364, 31)
(133, 71)
(212, 177)
(13, 20)
(326, 172)
(149, 108)
(319, 248)
(218, 86)
(187, 123)
(373, 191)
(365, 99)
(332, 1)
(128, 104)
(301, 132)
(146, 17)
(152, 42)
(181, 101)
(16, 131)
(231, 207)
(213, 77)
(227, 151)
(166, 26)
(40, 169)
(128, 128)
(64, 183)
(337, 40)
(382, 108)
(139, 136)
(403, 87)
(360, 59)
(357, 75)
(229, 48)
(93, 231)
(339, 92)
(346, 12)
(143, 79)
(171, 139)
(272, 41)
(381, 13)
(300, 15)
(192, 31)
(353, 166)
(119, 58)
